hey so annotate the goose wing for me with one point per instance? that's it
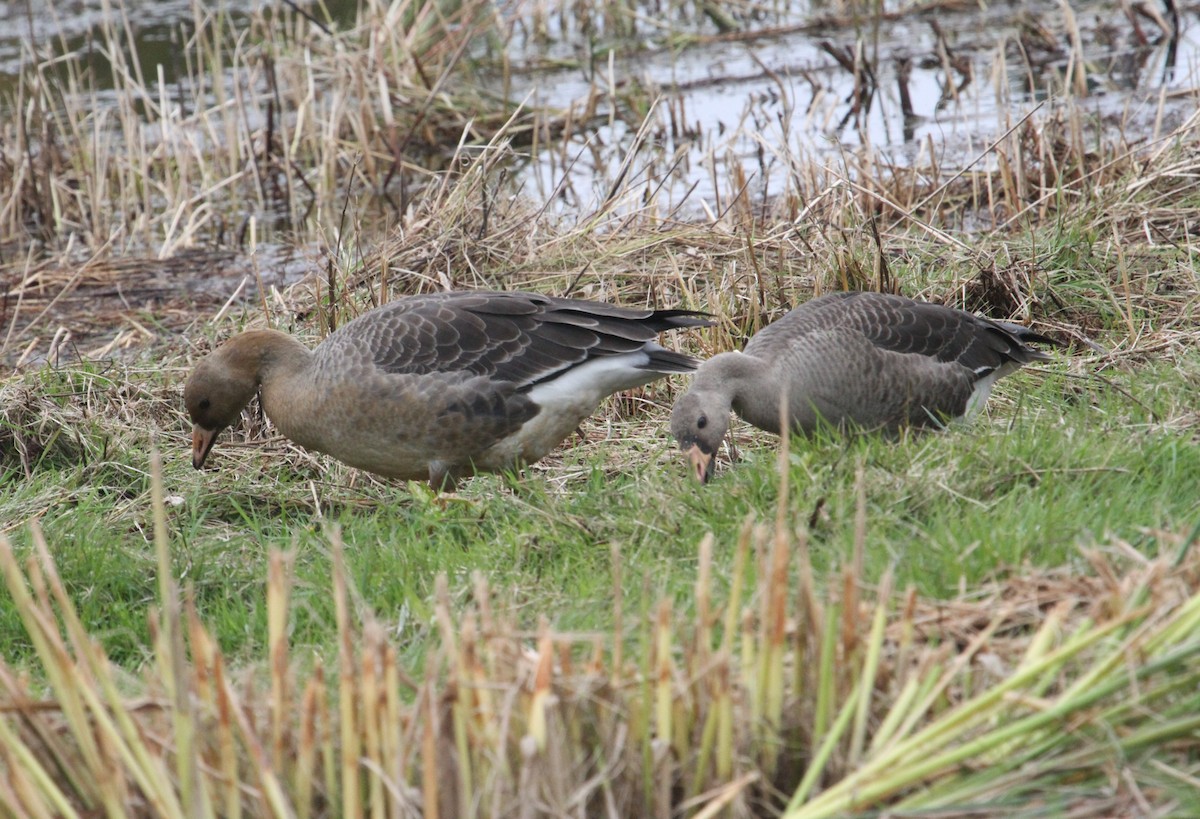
(932, 331)
(520, 339)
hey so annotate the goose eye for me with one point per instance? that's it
(702, 422)
(205, 404)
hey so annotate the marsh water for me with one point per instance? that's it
(780, 81)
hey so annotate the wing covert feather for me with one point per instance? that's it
(521, 338)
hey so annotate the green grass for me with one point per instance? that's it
(1058, 462)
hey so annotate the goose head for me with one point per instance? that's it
(699, 421)
(219, 388)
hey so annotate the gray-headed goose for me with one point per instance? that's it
(438, 386)
(861, 360)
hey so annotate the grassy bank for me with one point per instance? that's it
(1060, 463)
(765, 691)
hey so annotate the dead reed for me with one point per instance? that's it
(782, 693)
(271, 119)
(277, 121)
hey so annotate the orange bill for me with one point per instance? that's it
(702, 462)
(202, 443)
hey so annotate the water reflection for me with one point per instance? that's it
(674, 104)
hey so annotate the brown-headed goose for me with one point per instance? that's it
(439, 386)
(859, 360)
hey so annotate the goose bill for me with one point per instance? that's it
(702, 462)
(202, 443)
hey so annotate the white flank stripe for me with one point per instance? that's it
(594, 380)
(979, 396)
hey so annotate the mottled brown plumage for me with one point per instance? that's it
(439, 386)
(862, 360)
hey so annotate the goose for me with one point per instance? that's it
(440, 386)
(869, 361)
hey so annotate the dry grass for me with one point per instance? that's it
(283, 126)
(828, 696)
(277, 120)
(1120, 275)
(272, 119)
(1121, 266)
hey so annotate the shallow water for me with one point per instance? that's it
(783, 94)
(759, 97)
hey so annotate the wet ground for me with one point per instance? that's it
(56, 314)
(762, 83)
